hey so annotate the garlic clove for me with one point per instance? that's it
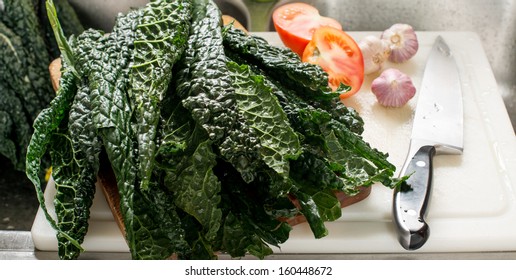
(375, 52)
(393, 88)
(403, 42)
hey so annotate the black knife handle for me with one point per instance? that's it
(411, 201)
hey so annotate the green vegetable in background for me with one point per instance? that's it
(210, 133)
(20, 16)
(15, 129)
(14, 72)
(25, 54)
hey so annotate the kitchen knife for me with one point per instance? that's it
(437, 129)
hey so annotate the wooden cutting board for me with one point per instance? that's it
(473, 207)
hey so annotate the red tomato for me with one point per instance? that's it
(296, 22)
(339, 55)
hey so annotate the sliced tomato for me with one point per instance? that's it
(339, 55)
(296, 23)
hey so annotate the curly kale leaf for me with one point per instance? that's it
(75, 163)
(196, 188)
(262, 111)
(159, 40)
(46, 124)
(187, 159)
(337, 138)
(103, 60)
(238, 239)
(157, 225)
(310, 210)
(309, 80)
(359, 164)
(205, 87)
(74, 151)
(249, 226)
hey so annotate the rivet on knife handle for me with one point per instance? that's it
(411, 201)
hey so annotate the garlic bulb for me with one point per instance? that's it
(375, 51)
(403, 42)
(393, 88)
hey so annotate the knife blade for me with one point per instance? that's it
(437, 129)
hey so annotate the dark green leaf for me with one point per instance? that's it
(205, 87)
(279, 143)
(103, 60)
(75, 163)
(196, 189)
(7, 146)
(20, 17)
(16, 133)
(15, 74)
(159, 40)
(253, 223)
(238, 240)
(157, 226)
(45, 125)
(311, 212)
(281, 64)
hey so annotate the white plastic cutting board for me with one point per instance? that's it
(473, 207)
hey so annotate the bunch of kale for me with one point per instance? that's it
(210, 133)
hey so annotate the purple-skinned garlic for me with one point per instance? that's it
(375, 52)
(393, 88)
(403, 42)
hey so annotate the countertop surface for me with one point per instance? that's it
(17, 245)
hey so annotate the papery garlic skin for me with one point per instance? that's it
(375, 52)
(393, 88)
(403, 42)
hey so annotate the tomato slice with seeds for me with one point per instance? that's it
(339, 55)
(296, 23)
